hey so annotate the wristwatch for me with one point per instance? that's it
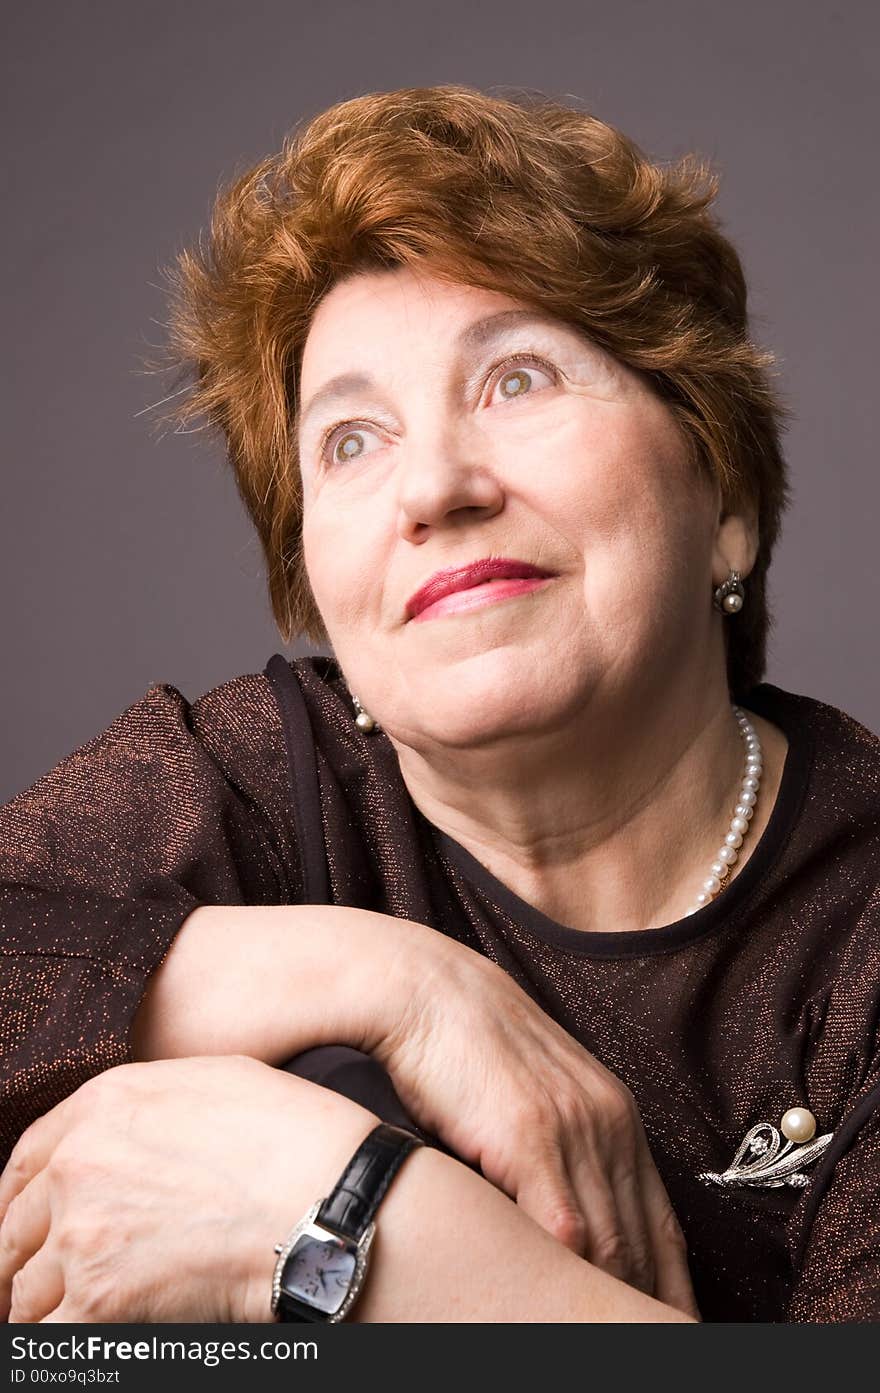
(322, 1265)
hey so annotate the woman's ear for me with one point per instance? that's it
(736, 542)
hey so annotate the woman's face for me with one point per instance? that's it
(467, 426)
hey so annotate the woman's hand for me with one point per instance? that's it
(157, 1191)
(477, 1063)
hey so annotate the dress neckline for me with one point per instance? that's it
(787, 710)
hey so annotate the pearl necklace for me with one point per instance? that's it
(728, 853)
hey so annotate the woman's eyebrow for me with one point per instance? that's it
(338, 389)
(472, 337)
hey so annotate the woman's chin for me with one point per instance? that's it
(474, 703)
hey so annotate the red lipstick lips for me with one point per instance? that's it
(465, 577)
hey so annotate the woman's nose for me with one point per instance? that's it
(443, 479)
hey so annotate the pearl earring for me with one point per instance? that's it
(730, 596)
(363, 720)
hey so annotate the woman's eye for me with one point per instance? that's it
(522, 379)
(345, 442)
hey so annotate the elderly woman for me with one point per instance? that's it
(577, 897)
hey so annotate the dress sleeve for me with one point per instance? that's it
(838, 1276)
(101, 860)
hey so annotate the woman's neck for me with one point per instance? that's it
(602, 833)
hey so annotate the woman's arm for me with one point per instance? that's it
(202, 1165)
(454, 1248)
(558, 1133)
(271, 981)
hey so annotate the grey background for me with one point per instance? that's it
(126, 558)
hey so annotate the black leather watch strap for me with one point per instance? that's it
(350, 1207)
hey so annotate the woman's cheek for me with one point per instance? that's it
(345, 578)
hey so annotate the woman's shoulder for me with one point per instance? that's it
(829, 815)
(842, 754)
(236, 723)
(803, 709)
(247, 712)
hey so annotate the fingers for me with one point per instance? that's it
(672, 1276)
(63, 1314)
(546, 1195)
(37, 1288)
(634, 1226)
(616, 1235)
(578, 1177)
(23, 1231)
(32, 1151)
(605, 1201)
(575, 1203)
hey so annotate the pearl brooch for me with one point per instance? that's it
(739, 824)
(765, 1160)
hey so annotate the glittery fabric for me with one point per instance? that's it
(101, 860)
(765, 999)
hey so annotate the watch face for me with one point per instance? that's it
(319, 1272)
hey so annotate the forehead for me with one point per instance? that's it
(393, 304)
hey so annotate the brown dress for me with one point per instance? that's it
(264, 791)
